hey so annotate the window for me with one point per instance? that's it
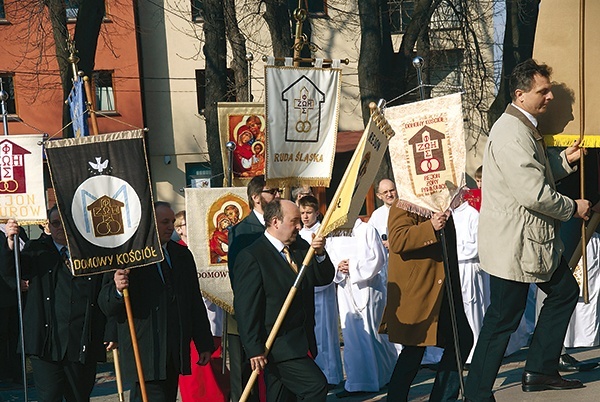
(9, 88)
(2, 13)
(72, 8)
(105, 95)
(400, 12)
(197, 11)
(316, 8)
(197, 174)
(444, 17)
(201, 89)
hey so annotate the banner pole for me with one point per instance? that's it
(16, 243)
(118, 375)
(450, 295)
(88, 96)
(134, 343)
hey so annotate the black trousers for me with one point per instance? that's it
(239, 370)
(54, 380)
(508, 300)
(447, 382)
(159, 390)
(295, 380)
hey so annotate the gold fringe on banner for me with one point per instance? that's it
(566, 140)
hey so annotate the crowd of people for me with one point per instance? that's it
(391, 290)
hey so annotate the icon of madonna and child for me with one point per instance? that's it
(249, 137)
(225, 212)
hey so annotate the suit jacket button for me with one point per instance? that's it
(439, 281)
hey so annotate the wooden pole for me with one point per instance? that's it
(118, 375)
(134, 343)
(585, 280)
(90, 104)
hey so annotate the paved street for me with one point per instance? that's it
(508, 385)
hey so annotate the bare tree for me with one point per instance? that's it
(215, 53)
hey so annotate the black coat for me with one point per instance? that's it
(58, 324)
(261, 284)
(148, 296)
(241, 236)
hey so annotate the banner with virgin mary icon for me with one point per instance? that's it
(243, 125)
(210, 214)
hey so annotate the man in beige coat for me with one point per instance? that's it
(519, 239)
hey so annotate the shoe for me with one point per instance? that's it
(531, 382)
(567, 362)
(347, 394)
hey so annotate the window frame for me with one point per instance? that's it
(317, 14)
(97, 94)
(196, 11)
(402, 8)
(12, 111)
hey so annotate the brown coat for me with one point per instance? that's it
(416, 279)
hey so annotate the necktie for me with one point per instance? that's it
(64, 254)
(288, 257)
(167, 276)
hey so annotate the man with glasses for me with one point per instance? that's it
(386, 192)
(241, 236)
(63, 327)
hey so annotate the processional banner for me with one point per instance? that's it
(211, 213)
(244, 125)
(573, 55)
(302, 107)
(360, 174)
(104, 198)
(428, 153)
(22, 194)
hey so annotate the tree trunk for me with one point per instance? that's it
(58, 19)
(521, 19)
(237, 41)
(277, 17)
(215, 53)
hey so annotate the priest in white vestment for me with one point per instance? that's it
(361, 261)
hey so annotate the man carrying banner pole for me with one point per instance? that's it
(168, 312)
(522, 210)
(63, 327)
(348, 200)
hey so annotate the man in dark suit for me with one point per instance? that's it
(63, 327)
(265, 272)
(241, 236)
(168, 313)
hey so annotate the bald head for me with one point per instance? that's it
(386, 192)
(282, 218)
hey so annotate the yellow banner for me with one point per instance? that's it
(360, 174)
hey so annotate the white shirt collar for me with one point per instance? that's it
(59, 246)
(278, 244)
(529, 116)
(259, 216)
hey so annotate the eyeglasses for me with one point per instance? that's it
(272, 191)
(56, 224)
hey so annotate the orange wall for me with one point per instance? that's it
(39, 96)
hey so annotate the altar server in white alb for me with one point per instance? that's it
(329, 358)
(475, 283)
(361, 262)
